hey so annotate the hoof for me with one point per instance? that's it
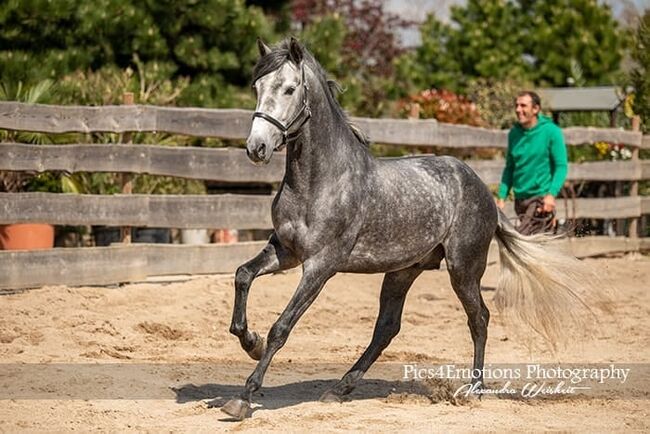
(259, 349)
(237, 408)
(330, 396)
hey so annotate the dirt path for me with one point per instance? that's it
(158, 357)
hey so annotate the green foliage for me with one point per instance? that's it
(324, 37)
(40, 92)
(562, 33)
(494, 100)
(546, 43)
(356, 43)
(640, 74)
(431, 64)
(14, 182)
(488, 40)
(210, 41)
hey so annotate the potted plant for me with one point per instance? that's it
(26, 236)
(23, 236)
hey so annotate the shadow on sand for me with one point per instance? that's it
(287, 395)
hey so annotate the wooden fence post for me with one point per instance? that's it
(127, 183)
(634, 187)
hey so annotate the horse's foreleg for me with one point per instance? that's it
(274, 257)
(310, 286)
(393, 294)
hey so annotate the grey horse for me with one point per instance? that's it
(339, 209)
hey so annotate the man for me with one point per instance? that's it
(536, 165)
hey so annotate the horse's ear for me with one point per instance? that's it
(295, 51)
(263, 48)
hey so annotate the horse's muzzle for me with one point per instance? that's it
(259, 153)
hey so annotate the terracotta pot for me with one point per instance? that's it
(26, 236)
(226, 236)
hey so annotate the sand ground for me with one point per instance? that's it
(157, 356)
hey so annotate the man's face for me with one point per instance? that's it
(526, 111)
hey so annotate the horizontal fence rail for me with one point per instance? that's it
(231, 211)
(221, 210)
(216, 164)
(235, 124)
(122, 263)
(118, 263)
(224, 123)
(232, 165)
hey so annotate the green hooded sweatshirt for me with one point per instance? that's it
(536, 160)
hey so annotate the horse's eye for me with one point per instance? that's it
(290, 90)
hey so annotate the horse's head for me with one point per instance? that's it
(281, 111)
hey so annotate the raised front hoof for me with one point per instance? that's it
(330, 396)
(237, 408)
(259, 349)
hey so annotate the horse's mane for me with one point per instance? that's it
(280, 54)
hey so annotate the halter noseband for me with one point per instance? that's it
(286, 136)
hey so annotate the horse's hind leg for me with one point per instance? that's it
(466, 265)
(393, 294)
(273, 257)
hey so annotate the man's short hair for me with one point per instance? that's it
(537, 101)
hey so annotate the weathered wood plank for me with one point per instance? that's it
(124, 263)
(211, 211)
(490, 171)
(645, 142)
(582, 135)
(605, 171)
(645, 205)
(222, 123)
(190, 211)
(645, 169)
(428, 132)
(601, 208)
(585, 247)
(232, 165)
(222, 164)
(601, 245)
(235, 124)
(84, 119)
(118, 263)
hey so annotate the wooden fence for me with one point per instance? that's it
(102, 265)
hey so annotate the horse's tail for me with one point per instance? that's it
(543, 286)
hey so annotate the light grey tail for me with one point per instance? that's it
(544, 287)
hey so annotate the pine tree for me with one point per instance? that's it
(560, 34)
(523, 40)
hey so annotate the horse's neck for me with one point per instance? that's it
(323, 154)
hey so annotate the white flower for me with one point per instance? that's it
(626, 154)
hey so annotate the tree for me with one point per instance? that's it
(370, 42)
(558, 33)
(211, 41)
(486, 40)
(640, 74)
(356, 41)
(430, 65)
(523, 40)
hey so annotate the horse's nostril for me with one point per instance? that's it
(261, 150)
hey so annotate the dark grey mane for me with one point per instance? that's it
(280, 54)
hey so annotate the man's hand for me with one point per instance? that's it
(549, 204)
(500, 203)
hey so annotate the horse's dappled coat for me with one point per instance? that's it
(340, 209)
